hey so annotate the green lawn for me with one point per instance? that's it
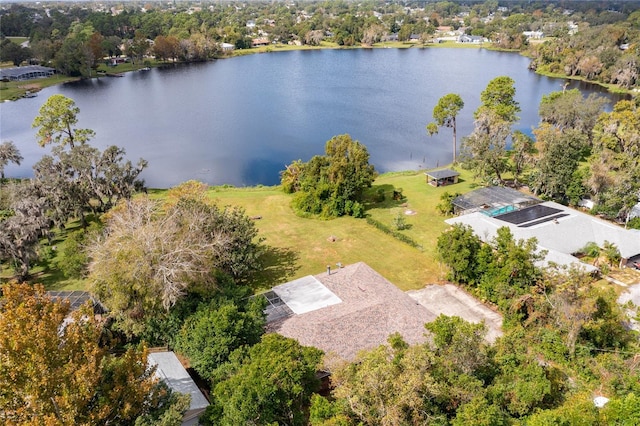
(13, 90)
(299, 246)
(306, 246)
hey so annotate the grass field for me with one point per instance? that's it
(302, 246)
(299, 246)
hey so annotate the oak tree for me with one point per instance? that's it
(9, 153)
(268, 383)
(53, 370)
(152, 254)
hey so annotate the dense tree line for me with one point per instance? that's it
(76, 39)
(74, 181)
(577, 151)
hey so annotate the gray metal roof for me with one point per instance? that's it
(442, 174)
(18, 72)
(171, 371)
(77, 298)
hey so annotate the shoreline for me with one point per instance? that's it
(21, 89)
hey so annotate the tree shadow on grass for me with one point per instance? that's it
(383, 196)
(279, 265)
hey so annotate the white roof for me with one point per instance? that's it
(561, 237)
(176, 377)
(306, 294)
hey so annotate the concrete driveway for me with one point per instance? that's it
(450, 300)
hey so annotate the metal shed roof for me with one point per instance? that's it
(76, 299)
(18, 72)
(442, 174)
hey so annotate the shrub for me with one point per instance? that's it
(399, 222)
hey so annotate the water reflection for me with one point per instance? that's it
(239, 121)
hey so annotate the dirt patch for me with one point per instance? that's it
(452, 301)
(32, 87)
(628, 276)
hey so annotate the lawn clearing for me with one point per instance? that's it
(298, 246)
(304, 245)
(306, 242)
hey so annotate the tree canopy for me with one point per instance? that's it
(444, 114)
(333, 184)
(54, 370)
(269, 383)
(175, 247)
(484, 151)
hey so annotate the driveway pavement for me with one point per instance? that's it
(450, 300)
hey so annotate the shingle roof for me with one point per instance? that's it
(372, 308)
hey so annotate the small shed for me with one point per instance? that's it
(442, 177)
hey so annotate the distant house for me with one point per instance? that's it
(464, 38)
(227, 47)
(442, 177)
(390, 37)
(260, 41)
(29, 72)
(533, 34)
(170, 370)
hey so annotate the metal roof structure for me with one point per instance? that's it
(26, 73)
(442, 174)
(77, 298)
(170, 370)
(493, 197)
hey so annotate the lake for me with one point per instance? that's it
(239, 121)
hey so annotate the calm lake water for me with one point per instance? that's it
(240, 121)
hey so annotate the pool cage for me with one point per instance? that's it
(493, 201)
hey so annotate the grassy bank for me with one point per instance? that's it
(14, 90)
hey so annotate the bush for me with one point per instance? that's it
(395, 234)
(72, 260)
(399, 222)
(446, 207)
(634, 223)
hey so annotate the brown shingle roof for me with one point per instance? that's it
(372, 308)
